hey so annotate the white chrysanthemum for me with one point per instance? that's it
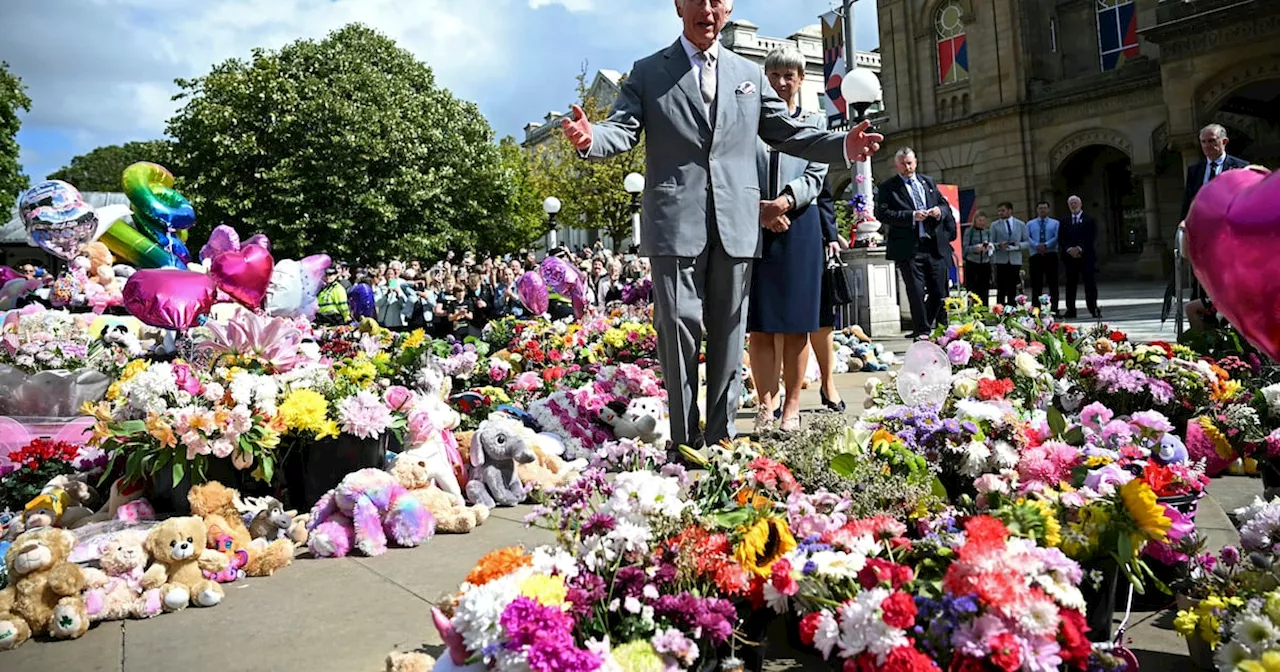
(1039, 617)
(628, 537)
(827, 634)
(478, 615)
(640, 494)
(839, 565)
(1230, 655)
(970, 409)
(775, 600)
(1004, 454)
(1256, 633)
(1062, 592)
(550, 560)
(974, 458)
(862, 626)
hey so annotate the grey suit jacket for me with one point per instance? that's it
(803, 178)
(1015, 231)
(691, 166)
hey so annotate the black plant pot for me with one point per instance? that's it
(1270, 469)
(311, 469)
(1100, 601)
(168, 497)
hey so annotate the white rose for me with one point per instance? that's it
(1026, 364)
(964, 388)
(1272, 394)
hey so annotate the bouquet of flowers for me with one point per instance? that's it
(31, 467)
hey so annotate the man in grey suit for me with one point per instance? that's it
(703, 107)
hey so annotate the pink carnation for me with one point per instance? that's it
(364, 415)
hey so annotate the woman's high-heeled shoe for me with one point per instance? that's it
(764, 422)
(790, 425)
(834, 406)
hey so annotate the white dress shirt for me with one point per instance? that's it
(1214, 165)
(695, 61)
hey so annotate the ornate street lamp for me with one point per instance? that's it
(551, 206)
(634, 184)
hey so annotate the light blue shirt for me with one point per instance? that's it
(1043, 232)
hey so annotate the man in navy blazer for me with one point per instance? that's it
(1213, 142)
(921, 228)
(1080, 257)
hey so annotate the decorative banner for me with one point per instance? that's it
(834, 68)
(952, 193)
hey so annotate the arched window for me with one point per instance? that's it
(1117, 32)
(953, 51)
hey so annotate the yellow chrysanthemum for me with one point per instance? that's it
(638, 656)
(964, 330)
(1220, 443)
(1052, 528)
(549, 591)
(132, 369)
(416, 337)
(762, 544)
(1271, 661)
(1140, 500)
(270, 438)
(1095, 461)
(304, 410)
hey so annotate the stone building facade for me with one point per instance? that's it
(1030, 100)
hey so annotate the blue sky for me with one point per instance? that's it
(105, 75)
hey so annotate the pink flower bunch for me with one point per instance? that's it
(529, 381)
(1047, 465)
(816, 514)
(630, 381)
(364, 415)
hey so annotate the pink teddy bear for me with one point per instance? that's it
(115, 592)
(366, 508)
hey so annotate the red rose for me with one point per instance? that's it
(1005, 652)
(907, 659)
(1074, 641)
(809, 627)
(899, 610)
(876, 572)
(1117, 336)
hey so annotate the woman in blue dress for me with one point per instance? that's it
(786, 286)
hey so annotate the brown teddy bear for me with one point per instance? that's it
(216, 504)
(451, 517)
(43, 596)
(178, 548)
(115, 591)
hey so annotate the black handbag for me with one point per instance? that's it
(838, 282)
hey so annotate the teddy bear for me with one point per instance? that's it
(43, 596)
(365, 508)
(76, 496)
(216, 504)
(414, 471)
(179, 560)
(496, 448)
(115, 592)
(549, 470)
(644, 419)
(124, 503)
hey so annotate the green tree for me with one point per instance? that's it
(344, 145)
(526, 220)
(591, 191)
(13, 97)
(103, 168)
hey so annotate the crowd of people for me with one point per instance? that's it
(460, 294)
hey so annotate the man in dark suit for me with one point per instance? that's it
(921, 228)
(1081, 258)
(1213, 142)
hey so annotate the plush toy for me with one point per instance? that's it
(271, 522)
(115, 591)
(177, 548)
(415, 472)
(216, 504)
(549, 470)
(44, 511)
(496, 448)
(362, 511)
(44, 592)
(76, 495)
(121, 496)
(439, 457)
(645, 419)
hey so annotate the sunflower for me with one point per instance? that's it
(1140, 500)
(1052, 528)
(762, 544)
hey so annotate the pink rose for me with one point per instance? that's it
(397, 397)
(186, 380)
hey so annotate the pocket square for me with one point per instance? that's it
(746, 88)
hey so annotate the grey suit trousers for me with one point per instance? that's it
(689, 292)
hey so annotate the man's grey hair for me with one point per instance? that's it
(1073, 197)
(1219, 131)
(786, 59)
(903, 153)
(728, 3)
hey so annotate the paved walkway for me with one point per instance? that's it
(346, 615)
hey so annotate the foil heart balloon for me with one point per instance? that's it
(169, 298)
(1233, 235)
(243, 274)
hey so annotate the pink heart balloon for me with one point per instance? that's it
(1233, 236)
(169, 298)
(243, 274)
(223, 239)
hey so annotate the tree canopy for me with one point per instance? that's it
(103, 168)
(13, 97)
(591, 192)
(344, 145)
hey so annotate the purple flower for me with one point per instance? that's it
(959, 352)
(598, 523)
(1230, 556)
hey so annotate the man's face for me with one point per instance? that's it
(1074, 204)
(1212, 145)
(906, 165)
(1004, 212)
(703, 20)
(1042, 210)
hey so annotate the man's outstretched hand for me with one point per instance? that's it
(577, 129)
(859, 145)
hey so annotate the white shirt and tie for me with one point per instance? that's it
(917, 189)
(703, 64)
(1211, 171)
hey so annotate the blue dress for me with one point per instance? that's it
(786, 285)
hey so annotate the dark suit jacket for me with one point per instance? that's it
(827, 213)
(895, 208)
(1081, 236)
(1195, 178)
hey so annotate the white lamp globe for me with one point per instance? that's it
(551, 205)
(633, 183)
(861, 86)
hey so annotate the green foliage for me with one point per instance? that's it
(103, 168)
(528, 222)
(13, 97)
(591, 191)
(344, 145)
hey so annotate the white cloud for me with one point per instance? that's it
(571, 5)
